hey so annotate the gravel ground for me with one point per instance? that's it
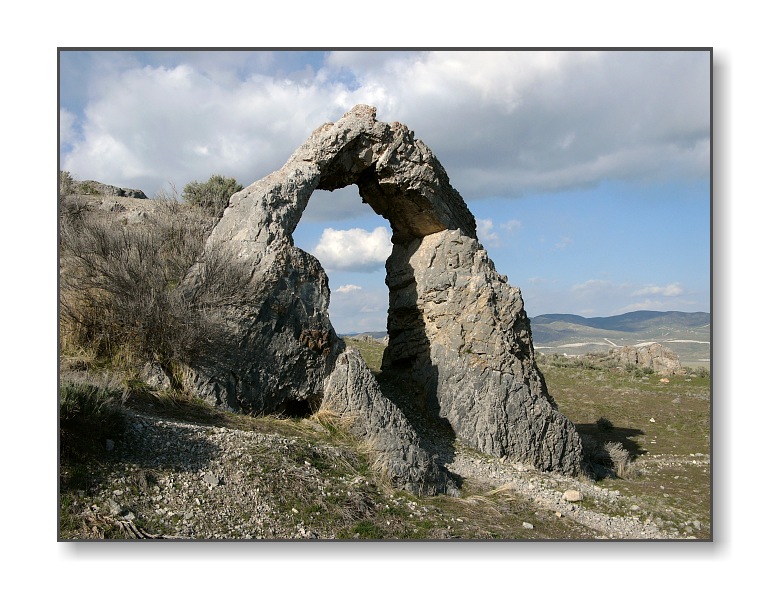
(209, 482)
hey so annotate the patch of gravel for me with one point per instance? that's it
(547, 490)
(210, 482)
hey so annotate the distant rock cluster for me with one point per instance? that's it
(654, 356)
(92, 187)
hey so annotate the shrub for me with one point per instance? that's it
(88, 415)
(619, 458)
(604, 425)
(66, 183)
(213, 195)
(702, 372)
(609, 459)
(120, 294)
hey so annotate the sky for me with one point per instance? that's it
(588, 172)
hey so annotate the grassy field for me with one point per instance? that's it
(665, 426)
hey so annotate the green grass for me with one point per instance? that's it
(371, 351)
(664, 426)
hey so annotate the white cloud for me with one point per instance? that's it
(67, 134)
(670, 290)
(592, 286)
(486, 233)
(511, 225)
(356, 309)
(532, 121)
(353, 249)
(501, 122)
(487, 230)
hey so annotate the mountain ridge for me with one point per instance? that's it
(686, 333)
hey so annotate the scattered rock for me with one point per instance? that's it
(572, 496)
(92, 187)
(211, 479)
(114, 507)
(527, 525)
(155, 376)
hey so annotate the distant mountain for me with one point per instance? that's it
(375, 335)
(688, 334)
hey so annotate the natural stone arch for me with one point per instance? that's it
(456, 328)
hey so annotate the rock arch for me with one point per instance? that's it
(456, 327)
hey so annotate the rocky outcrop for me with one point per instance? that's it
(461, 332)
(654, 356)
(92, 187)
(455, 327)
(351, 390)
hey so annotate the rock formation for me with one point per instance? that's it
(92, 187)
(654, 356)
(461, 332)
(455, 327)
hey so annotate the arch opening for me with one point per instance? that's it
(352, 243)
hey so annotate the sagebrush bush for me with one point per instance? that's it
(619, 458)
(86, 400)
(120, 285)
(89, 415)
(604, 425)
(609, 459)
(66, 183)
(213, 195)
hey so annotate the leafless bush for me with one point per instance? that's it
(609, 459)
(620, 458)
(120, 284)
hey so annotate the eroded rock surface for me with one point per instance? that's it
(455, 326)
(461, 332)
(654, 356)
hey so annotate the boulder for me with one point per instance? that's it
(656, 357)
(454, 325)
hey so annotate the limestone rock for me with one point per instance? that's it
(572, 496)
(462, 334)
(654, 356)
(351, 390)
(454, 325)
(92, 187)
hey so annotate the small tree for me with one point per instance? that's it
(212, 195)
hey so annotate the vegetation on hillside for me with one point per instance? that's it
(213, 195)
(122, 297)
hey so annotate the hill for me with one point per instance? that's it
(687, 334)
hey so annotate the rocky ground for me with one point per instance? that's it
(171, 478)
